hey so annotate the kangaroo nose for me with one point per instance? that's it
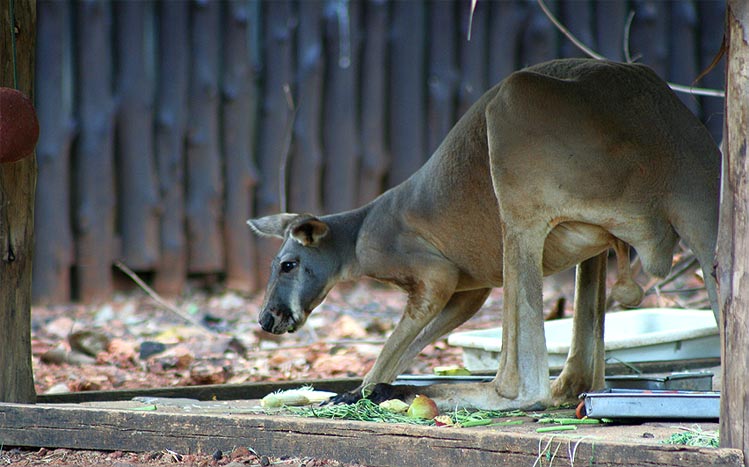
(266, 321)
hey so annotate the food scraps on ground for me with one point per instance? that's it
(295, 397)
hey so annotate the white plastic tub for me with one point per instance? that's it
(644, 335)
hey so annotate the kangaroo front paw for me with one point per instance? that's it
(345, 398)
(377, 393)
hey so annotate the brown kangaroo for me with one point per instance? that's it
(549, 169)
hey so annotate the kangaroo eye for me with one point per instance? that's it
(288, 266)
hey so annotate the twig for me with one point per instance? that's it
(470, 18)
(568, 34)
(627, 29)
(597, 56)
(682, 267)
(157, 298)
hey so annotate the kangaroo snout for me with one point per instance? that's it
(277, 320)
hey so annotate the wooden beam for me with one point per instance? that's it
(210, 392)
(17, 183)
(375, 444)
(733, 236)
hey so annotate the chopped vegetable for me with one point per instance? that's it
(451, 370)
(395, 406)
(423, 407)
(295, 397)
(546, 429)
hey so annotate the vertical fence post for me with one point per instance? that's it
(170, 135)
(53, 256)
(204, 176)
(473, 53)
(443, 72)
(17, 181)
(374, 161)
(683, 51)
(540, 39)
(407, 90)
(649, 35)
(305, 165)
(611, 20)
(505, 25)
(577, 16)
(275, 117)
(238, 107)
(93, 165)
(712, 16)
(340, 135)
(733, 237)
(137, 196)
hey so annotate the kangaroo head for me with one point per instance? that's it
(303, 272)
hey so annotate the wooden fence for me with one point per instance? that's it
(165, 125)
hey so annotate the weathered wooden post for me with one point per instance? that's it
(472, 53)
(733, 236)
(138, 197)
(17, 183)
(374, 157)
(170, 134)
(340, 137)
(93, 179)
(443, 72)
(305, 164)
(278, 36)
(53, 250)
(239, 106)
(205, 190)
(407, 134)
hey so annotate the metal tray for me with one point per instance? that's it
(697, 381)
(628, 403)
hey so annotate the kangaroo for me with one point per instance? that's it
(549, 169)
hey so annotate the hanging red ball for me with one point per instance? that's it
(19, 127)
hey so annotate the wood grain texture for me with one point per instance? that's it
(443, 72)
(368, 443)
(170, 136)
(205, 188)
(407, 132)
(306, 162)
(340, 131)
(17, 183)
(239, 99)
(374, 157)
(138, 197)
(733, 237)
(94, 180)
(53, 256)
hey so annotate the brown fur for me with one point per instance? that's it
(549, 169)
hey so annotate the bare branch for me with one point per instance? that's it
(568, 34)
(627, 30)
(470, 18)
(676, 87)
(157, 298)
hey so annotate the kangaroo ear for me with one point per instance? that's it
(308, 231)
(272, 226)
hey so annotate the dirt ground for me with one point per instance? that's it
(133, 342)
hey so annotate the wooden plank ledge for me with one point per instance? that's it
(375, 444)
